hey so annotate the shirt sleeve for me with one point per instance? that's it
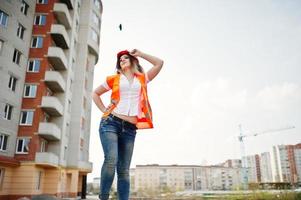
(105, 85)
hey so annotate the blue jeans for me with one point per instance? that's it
(117, 138)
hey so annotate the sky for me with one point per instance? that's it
(225, 63)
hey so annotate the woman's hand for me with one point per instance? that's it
(135, 52)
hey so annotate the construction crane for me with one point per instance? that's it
(241, 138)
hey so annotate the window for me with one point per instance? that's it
(3, 18)
(20, 31)
(78, 7)
(24, 7)
(84, 102)
(82, 123)
(69, 106)
(76, 25)
(40, 20)
(39, 180)
(65, 152)
(2, 172)
(33, 66)
(46, 117)
(3, 142)
(22, 145)
(1, 45)
(97, 3)
(95, 19)
(37, 42)
(43, 145)
(42, 1)
(94, 35)
(30, 90)
(26, 118)
(17, 56)
(12, 83)
(8, 109)
(71, 82)
(86, 83)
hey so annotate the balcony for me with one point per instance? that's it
(49, 131)
(85, 166)
(55, 81)
(62, 14)
(47, 159)
(60, 36)
(69, 3)
(52, 106)
(93, 47)
(57, 58)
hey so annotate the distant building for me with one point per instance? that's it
(253, 165)
(96, 182)
(265, 167)
(232, 163)
(186, 177)
(297, 154)
(282, 164)
(223, 178)
(285, 160)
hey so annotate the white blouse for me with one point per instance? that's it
(129, 96)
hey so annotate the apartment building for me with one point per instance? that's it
(16, 20)
(232, 163)
(186, 178)
(297, 154)
(265, 167)
(253, 165)
(285, 163)
(48, 52)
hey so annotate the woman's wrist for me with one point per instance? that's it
(141, 54)
(104, 109)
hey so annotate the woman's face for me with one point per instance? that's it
(125, 62)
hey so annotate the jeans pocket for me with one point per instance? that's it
(105, 120)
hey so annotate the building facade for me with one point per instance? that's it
(253, 165)
(186, 178)
(265, 167)
(46, 139)
(232, 163)
(285, 162)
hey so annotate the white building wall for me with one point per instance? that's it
(297, 154)
(186, 178)
(251, 164)
(280, 164)
(265, 167)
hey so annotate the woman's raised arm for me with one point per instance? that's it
(157, 63)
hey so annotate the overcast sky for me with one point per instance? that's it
(225, 63)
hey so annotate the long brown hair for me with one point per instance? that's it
(133, 61)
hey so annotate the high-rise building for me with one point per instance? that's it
(48, 50)
(285, 162)
(297, 154)
(265, 167)
(253, 165)
(16, 20)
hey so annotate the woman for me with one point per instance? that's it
(128, 111)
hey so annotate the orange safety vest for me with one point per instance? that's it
(145, 112)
